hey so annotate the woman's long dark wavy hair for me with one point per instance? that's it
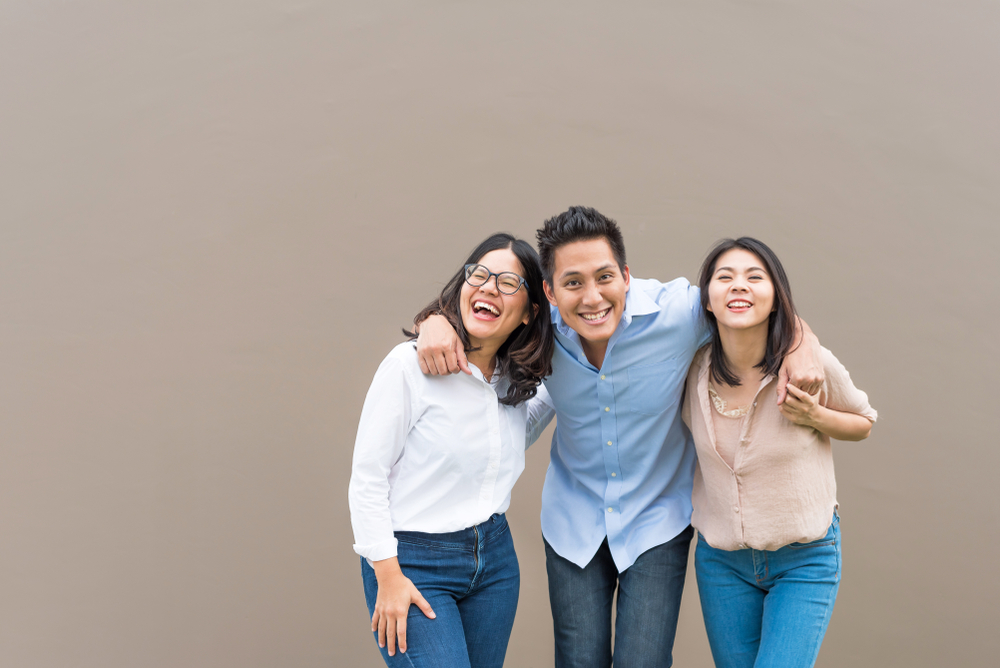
(525, 358)
(781, 324)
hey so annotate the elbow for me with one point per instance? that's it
(862, 435)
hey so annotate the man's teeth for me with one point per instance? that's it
(487, 307)
(594, 316)
(740, 304)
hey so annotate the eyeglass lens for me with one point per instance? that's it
(508, 282)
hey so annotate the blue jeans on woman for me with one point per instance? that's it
(471, 580)
(649, 600)
(768, 608)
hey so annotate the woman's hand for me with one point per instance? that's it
(801, 407)
(395, 594)
(439, 349)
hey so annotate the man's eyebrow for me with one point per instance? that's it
(575, 272)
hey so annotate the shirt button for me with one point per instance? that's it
(602, 377)
(611, 510)
(614, 475)
(736, 509)
(607, 408)
(609, 442)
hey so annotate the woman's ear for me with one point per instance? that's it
(526, 318)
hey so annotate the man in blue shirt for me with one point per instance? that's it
(616, 505)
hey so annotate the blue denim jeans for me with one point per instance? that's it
(769, 608)
(649, 599)
(471, 580)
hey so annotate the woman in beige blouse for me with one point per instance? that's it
(765, 506)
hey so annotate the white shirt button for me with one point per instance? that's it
(614, 475)
(609, 442)
(611, 510)
(607, 408)
(736, 509)
(602, 377)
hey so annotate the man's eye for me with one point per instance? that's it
(606, 277)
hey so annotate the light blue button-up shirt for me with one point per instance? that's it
(622, 461)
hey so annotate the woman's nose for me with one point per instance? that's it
(490, 285)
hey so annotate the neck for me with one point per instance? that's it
(485, 358)
(744, 350)
(594, 351)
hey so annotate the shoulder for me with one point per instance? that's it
(403, 360)
(831, 365)
(678, 302)
(679, 288)
(701, 360)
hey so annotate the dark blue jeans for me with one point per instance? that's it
(471, 580)
(769, 608)
(649, 599)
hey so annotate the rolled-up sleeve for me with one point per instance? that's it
(841, 394)
(385, 423)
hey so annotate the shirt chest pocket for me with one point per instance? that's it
(652, 388)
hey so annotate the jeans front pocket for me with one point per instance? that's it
(829, 539)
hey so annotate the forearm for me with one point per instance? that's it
(387, 570)
(841, 426)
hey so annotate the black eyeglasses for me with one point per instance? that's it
(507, 281)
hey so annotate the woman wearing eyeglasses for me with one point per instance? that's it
(434, 463)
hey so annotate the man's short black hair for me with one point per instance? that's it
(578, 223)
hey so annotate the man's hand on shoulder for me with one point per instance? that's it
(803, 367)
(439, 350)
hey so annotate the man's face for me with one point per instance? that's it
(588, 288)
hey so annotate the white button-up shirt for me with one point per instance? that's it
(435, 453)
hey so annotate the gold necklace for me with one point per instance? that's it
(721, 406)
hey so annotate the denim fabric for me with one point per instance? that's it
(769, 608)
(471, 579)
(649, 599)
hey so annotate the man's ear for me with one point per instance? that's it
(549, 293)
(628, 278)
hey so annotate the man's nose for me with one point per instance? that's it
(591, 294)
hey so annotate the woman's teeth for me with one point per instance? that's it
(594, 316)
(484, 306)
(740, 304)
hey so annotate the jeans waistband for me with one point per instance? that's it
(497, 522)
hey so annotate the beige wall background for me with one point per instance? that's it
(215, 216)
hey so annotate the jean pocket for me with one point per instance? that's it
(829, 539)
(652, 388)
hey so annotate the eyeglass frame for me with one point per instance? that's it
(522, 282)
